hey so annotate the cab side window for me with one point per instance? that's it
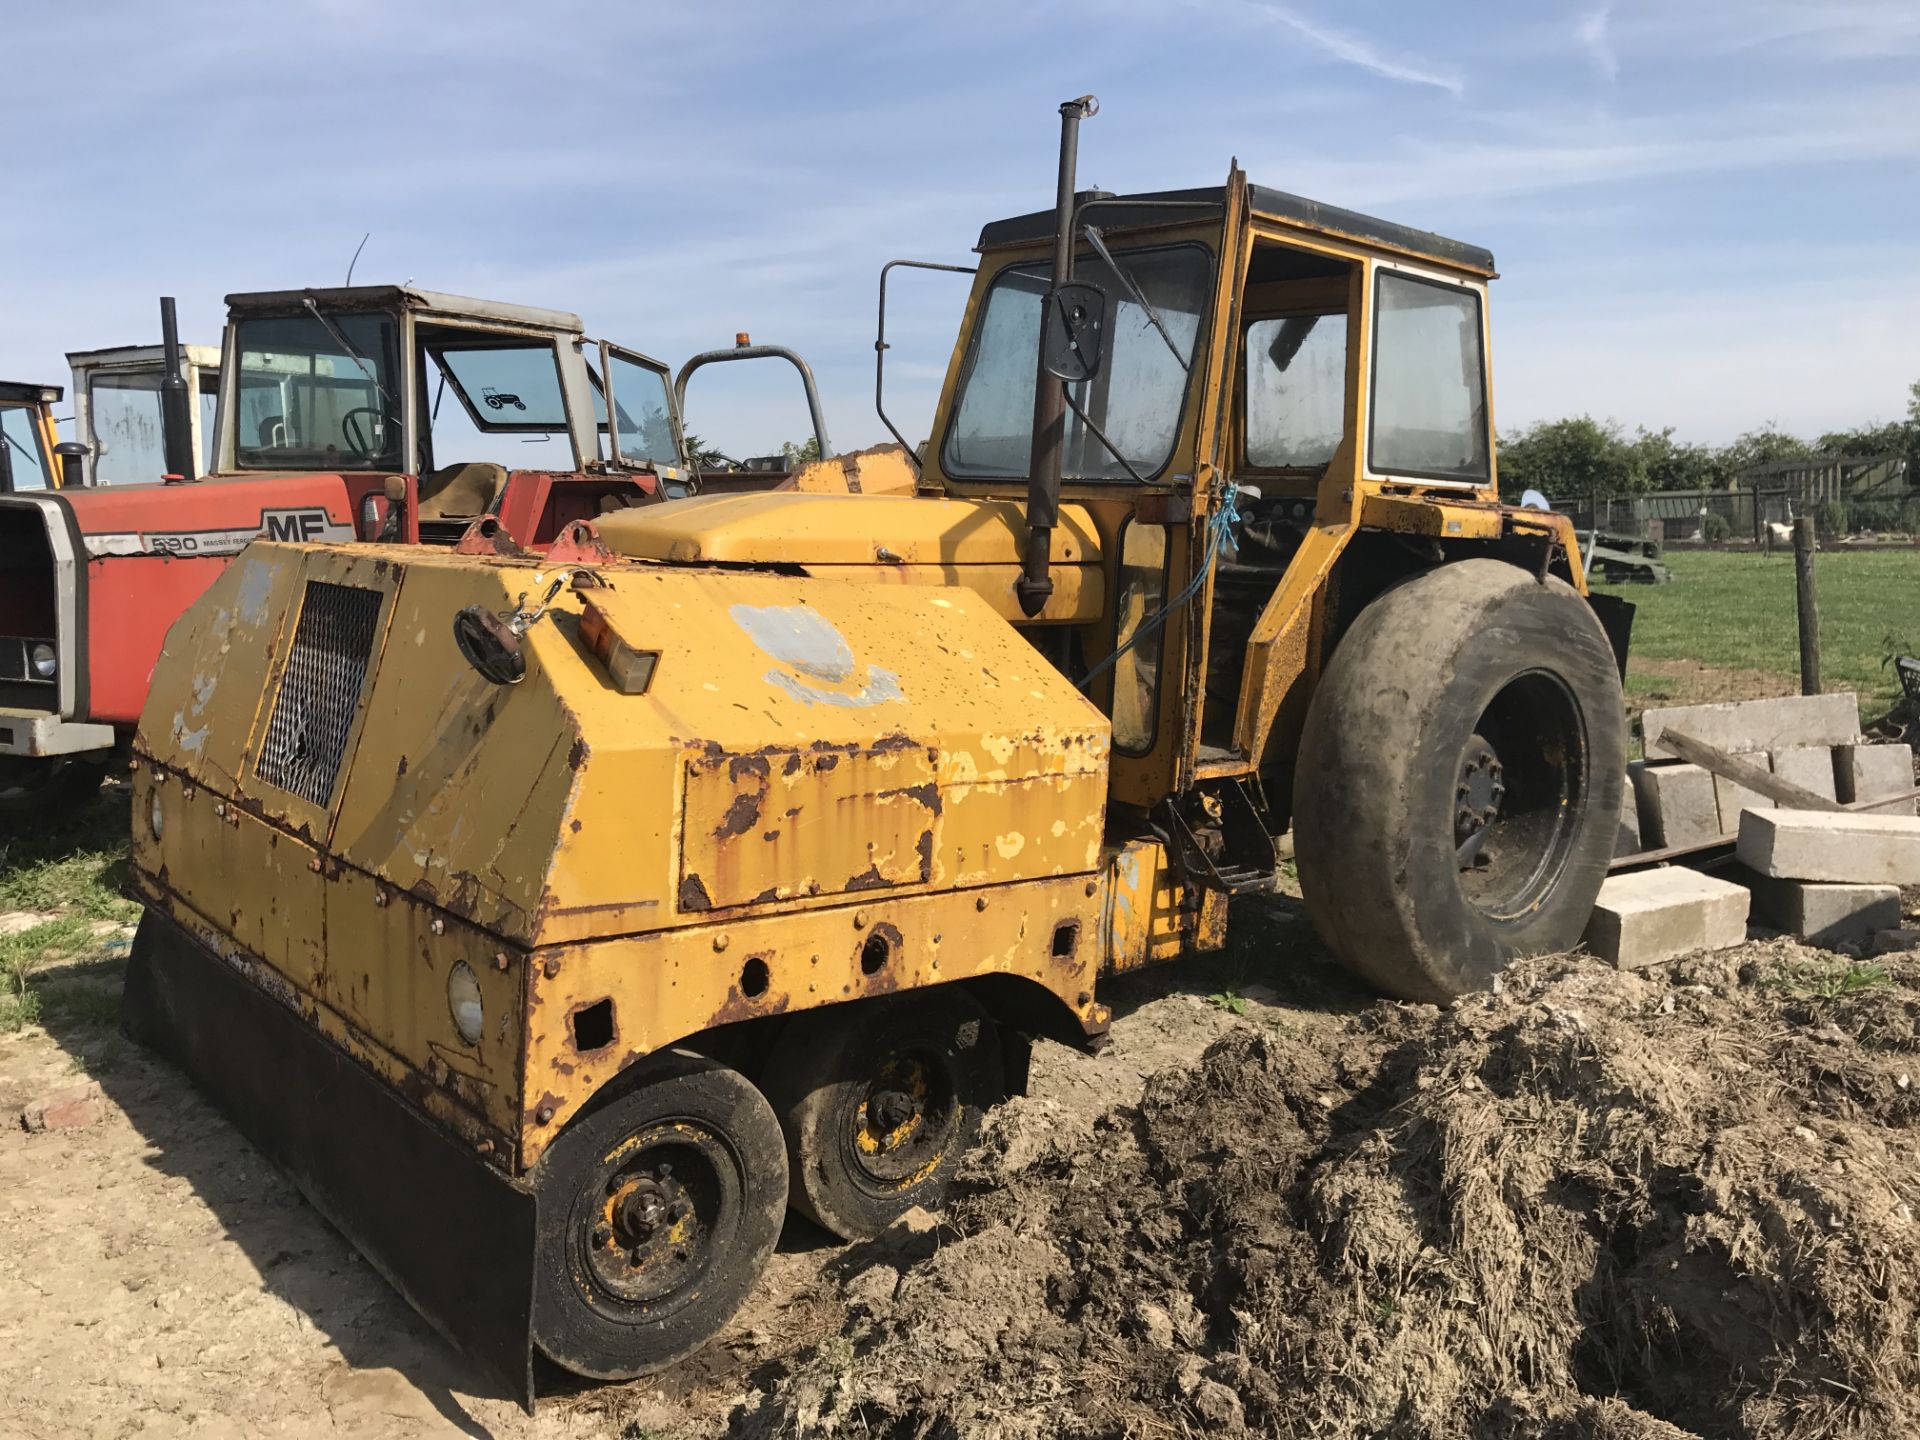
(20, 439)
(1296, 388)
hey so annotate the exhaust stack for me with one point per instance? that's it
(1035, 585)
(176, 406)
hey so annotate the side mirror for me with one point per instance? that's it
(73, 458)
(1075, 331)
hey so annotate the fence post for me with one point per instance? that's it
(1809, 605)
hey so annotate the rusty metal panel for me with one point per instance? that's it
(385, 972)
(210, 681)
(823, 821)
(662, 987)
(260, 884)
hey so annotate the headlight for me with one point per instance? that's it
(463, 999)
(155, 819)
(45, 662)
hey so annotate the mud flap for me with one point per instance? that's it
(450, 1234)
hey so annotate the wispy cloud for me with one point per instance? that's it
(1354, 50)
(1591, 33)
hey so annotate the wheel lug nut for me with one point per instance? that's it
(601, 1235)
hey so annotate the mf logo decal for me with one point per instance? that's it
(308, 523)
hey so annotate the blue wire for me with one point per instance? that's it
(1219, 526)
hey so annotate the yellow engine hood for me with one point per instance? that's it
(903, 539)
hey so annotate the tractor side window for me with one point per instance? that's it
(20, 439)
(642, 413)
(1296, 391)
(1429, 381)
(124, 413)
(506, 387)
(1142, 590)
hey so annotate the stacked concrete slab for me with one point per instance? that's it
(1813, 741)
(1829, 877)
(1646, 917)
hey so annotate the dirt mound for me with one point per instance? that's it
(1592, 1205)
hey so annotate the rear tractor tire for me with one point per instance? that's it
(1457, 793)
(657, 1211)
(879, 1100)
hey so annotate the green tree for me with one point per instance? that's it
(1764, 446)
(705, 456)
(797, 455)
(1575, 458)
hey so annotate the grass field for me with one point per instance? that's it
(1735, 612)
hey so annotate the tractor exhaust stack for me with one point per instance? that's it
(1035, 585)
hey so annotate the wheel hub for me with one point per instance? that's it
(650, 1233)
(1477, 794)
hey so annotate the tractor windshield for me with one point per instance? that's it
(318, 391)
(1135, 400)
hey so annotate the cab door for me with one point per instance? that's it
(1167, 542)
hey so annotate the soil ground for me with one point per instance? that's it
(1411, 1222)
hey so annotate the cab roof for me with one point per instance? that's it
(18, 391)
(429, 304)
(1275, 204)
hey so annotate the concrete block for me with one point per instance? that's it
(1867, 772)
(1678, 805)
(1740, 726)
(1822, 911)
(1808, 766)
(1627, 841)
(1650, 916)
(1732, 797)
(1852, 847)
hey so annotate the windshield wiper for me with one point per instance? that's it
(366, 367)
(1101, 435)
(1126, 279)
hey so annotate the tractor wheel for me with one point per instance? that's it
(41, 789)
(1457, 793)
(657, 1212)
(879, 1100)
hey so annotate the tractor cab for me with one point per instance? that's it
(453, 396)
(27, 437)
(118, 411)
(1237, 388)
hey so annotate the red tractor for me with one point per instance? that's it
(362, 413)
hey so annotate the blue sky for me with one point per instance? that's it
(1706, 212)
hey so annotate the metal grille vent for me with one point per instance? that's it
(320, 690)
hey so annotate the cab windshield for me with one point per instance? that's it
(318, 393)
(1135, 400)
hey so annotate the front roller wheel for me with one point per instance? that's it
(879, 1100)
(658, 1211)
(1457, 793)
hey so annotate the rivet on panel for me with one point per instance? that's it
(550, 967)
(379, 896)
(859, 919)
(314, 864)
(501, 960)
(544, 1115)
(219, 811)
(980, 902)
(720, 942)
(1093, 889)
(437, 925)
